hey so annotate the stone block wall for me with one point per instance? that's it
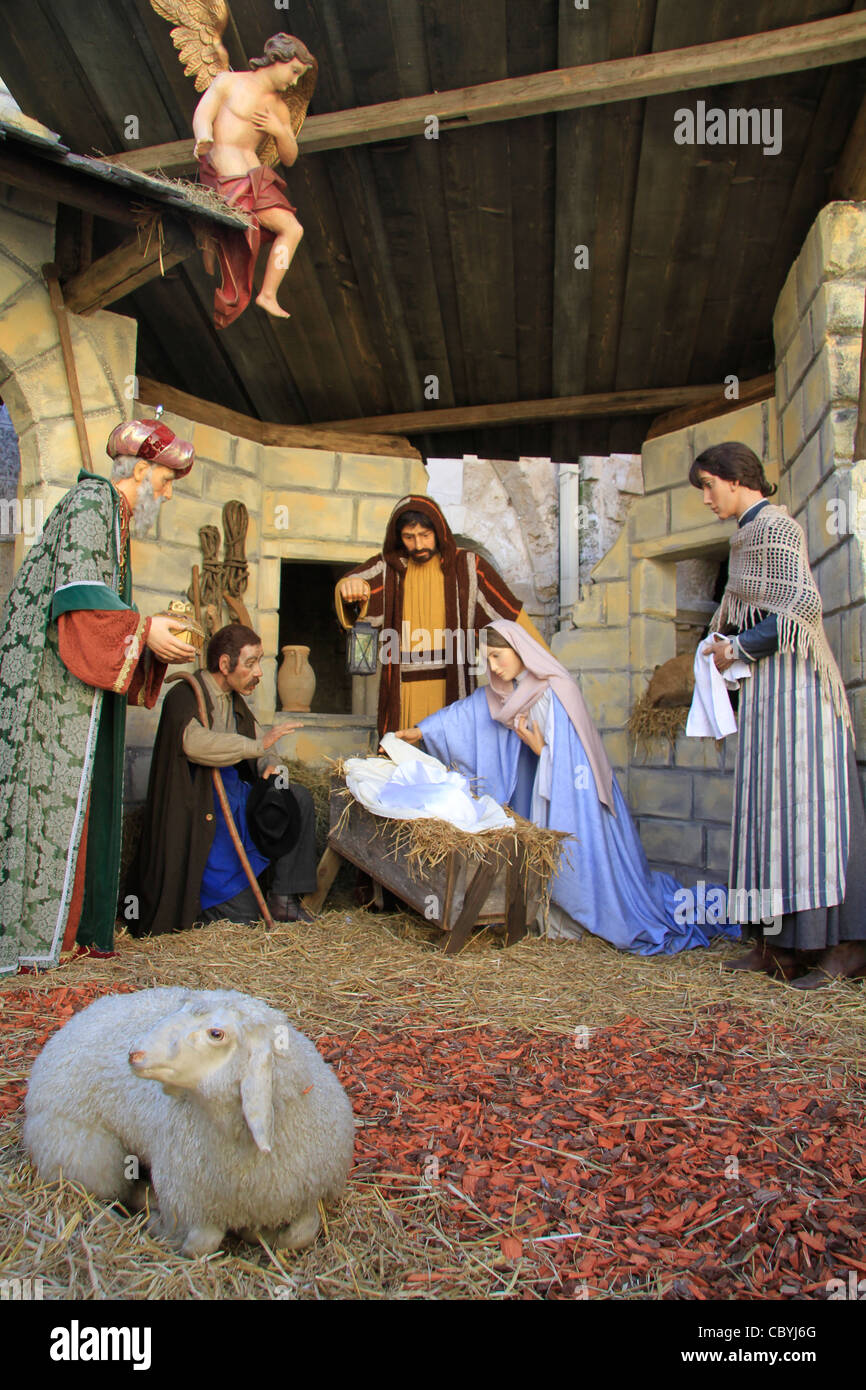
(32, 377)
(624, 627)
(818, 328)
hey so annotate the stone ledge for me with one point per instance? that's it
(702, 541)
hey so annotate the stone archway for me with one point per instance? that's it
(33, 381)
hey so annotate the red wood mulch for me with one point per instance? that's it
(691, 1164)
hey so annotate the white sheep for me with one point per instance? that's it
(238, 1119)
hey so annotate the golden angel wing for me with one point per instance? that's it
(197, 36)
(297, 99)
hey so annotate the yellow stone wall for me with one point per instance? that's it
(32, 376)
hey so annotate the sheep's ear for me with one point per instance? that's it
(257, 1095)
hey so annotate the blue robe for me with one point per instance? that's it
(604, 882)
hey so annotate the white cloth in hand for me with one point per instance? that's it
(711, 715)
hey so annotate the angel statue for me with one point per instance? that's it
(244, 123)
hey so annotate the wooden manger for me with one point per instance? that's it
(454, 879)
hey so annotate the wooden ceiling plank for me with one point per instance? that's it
(762, 388)
(118, 71)
(631, 33)
(404, 204)
(31, 27)
(354, 365)
(414, 77)
(170, 318)
(464, 42)
(583, 38)
(365, 233)
(533, 48)
(249, 345)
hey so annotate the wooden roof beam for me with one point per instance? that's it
(129, 266)
(263, 432)
(642, 402)
(819, 43)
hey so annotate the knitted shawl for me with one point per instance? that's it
(769, 573)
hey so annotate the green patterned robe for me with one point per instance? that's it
(54, 730)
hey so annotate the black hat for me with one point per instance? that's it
(273, 817)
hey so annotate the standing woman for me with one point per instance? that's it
(799, 829)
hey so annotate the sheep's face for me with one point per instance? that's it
(219, 1052)
(186, 1048)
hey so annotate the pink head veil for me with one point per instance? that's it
(543, 672)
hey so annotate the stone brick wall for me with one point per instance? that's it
(32, 376)
(818, 327)
(625, 627)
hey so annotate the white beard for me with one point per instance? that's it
(146, 508)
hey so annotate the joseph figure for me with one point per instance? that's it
(73, 651)
(429, 598)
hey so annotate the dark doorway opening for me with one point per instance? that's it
(307, 617)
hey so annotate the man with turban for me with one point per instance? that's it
(73, 652)
(429, 598)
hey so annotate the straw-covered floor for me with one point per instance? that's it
(482, 1167)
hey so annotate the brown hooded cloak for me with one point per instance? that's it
(474, 596)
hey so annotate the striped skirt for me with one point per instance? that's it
(791, 827)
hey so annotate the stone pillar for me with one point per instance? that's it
(569, 540)
(818, 327)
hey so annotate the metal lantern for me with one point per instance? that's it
(361, 650)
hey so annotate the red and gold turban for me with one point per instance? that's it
(153, 441)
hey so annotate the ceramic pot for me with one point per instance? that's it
(296, 682)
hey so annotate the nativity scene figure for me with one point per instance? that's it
(245, 123)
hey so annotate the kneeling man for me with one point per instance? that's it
(187, 868)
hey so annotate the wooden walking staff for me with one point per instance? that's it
(224, 803)
(860, 433)
(55, 293)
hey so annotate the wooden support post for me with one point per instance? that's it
(516, 893)
(329, 866)
(476, 896)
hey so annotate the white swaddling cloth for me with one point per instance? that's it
(711, 715)
(415, 786)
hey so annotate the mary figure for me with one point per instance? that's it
(528, 739)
